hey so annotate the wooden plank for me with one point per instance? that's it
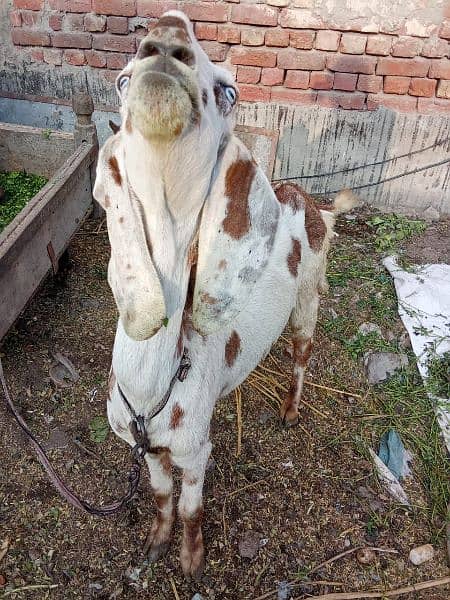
(52, 216)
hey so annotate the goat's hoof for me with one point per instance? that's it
(193, 564)
(289, 418)
(155, 551)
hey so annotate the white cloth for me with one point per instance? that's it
(424, 307)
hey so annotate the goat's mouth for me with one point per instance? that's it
(162, 103)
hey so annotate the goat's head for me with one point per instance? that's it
(171, 85)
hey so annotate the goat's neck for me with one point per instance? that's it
(170, 182)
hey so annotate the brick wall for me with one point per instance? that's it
(394, 54)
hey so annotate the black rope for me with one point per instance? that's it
(379, 162)
(366, 185)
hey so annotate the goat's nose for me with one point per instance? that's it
(179, 52)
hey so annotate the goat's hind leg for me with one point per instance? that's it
(303, 322)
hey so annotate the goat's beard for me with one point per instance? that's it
(159, 106)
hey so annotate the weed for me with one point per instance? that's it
(392, 229)
(19, 188)
(99, 429)
(438, 380)
(361, 343)
(46, 134)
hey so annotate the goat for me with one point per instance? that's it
(205, 259)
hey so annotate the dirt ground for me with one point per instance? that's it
(298, 497)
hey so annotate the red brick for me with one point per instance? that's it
(277, 37)
(430, 106)
(272, 76)
(306, 97)
(440, 69)
(206, 31)
(393, 84)
(347, 101)
(413, 67)
(74, 22)
(52, 56)
(95, 58)
(346, 63)
(71, 40)
(370, 83)
(254, 14)
(150, 8)
(327, 40)
(117, 25)
(95, 22)
(55, 21)
(37, 55)
(255, 58)
(400, 103)
(406, 47)
(353, 43)
(229, 34)
(435, 48)
(29, 4)
(303, 40)
(74, 57)
(312, 60)
(346, 81)
(443, 90)
(422, 87)
(125, 8)
(30, 18)
(15, 18)
(216, 52)
(21, 37)
(379, 45)
(206, 11)
(252, 37)
(80, 6)
(297, 80)
(115, 43)
(300, 19)
(321, 81)
(248, 74)
(116, 60)
(254, 93)
(444, 31)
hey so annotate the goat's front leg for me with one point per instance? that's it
(190, 508)
(162, 485)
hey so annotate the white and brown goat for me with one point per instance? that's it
(205, 259)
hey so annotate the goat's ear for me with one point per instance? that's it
(237, 231)
(131, 273)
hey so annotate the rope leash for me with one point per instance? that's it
(140, 449)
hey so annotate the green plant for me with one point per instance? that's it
(46, 134)
(19, 187)
(361, 343)
(99, 429)
(392, 229)
(438, 380)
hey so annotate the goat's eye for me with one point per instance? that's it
(230, 94)
(123, 82)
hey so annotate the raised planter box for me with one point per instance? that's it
(32, 243)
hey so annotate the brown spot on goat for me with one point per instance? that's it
(238, 181)
(192, 538)
(294, 257)
(314, 225)
(176, 416)
(121, 219)
(222, 265)
(232, 348)
(189, 479)
(107, 201)
(302, 348)
(291, 195)
(115, 171)
(161, 500)
(128, 126)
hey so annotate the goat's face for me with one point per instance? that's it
(171, 85)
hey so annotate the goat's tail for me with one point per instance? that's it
(344, 201)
